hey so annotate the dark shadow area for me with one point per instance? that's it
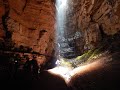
(27, 78)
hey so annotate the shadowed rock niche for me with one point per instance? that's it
(27, 27)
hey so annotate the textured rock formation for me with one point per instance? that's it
(30, 23)
(35, 26)
(91, 17)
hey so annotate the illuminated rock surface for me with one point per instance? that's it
(31, 23)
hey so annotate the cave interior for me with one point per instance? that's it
(60, 44)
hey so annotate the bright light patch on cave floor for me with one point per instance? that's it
(65, 72)
(68, 72)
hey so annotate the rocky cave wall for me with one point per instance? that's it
(27, 24)
(30, 23)
(94, 19)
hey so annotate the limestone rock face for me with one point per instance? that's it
(30, 23)
(92, 17)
